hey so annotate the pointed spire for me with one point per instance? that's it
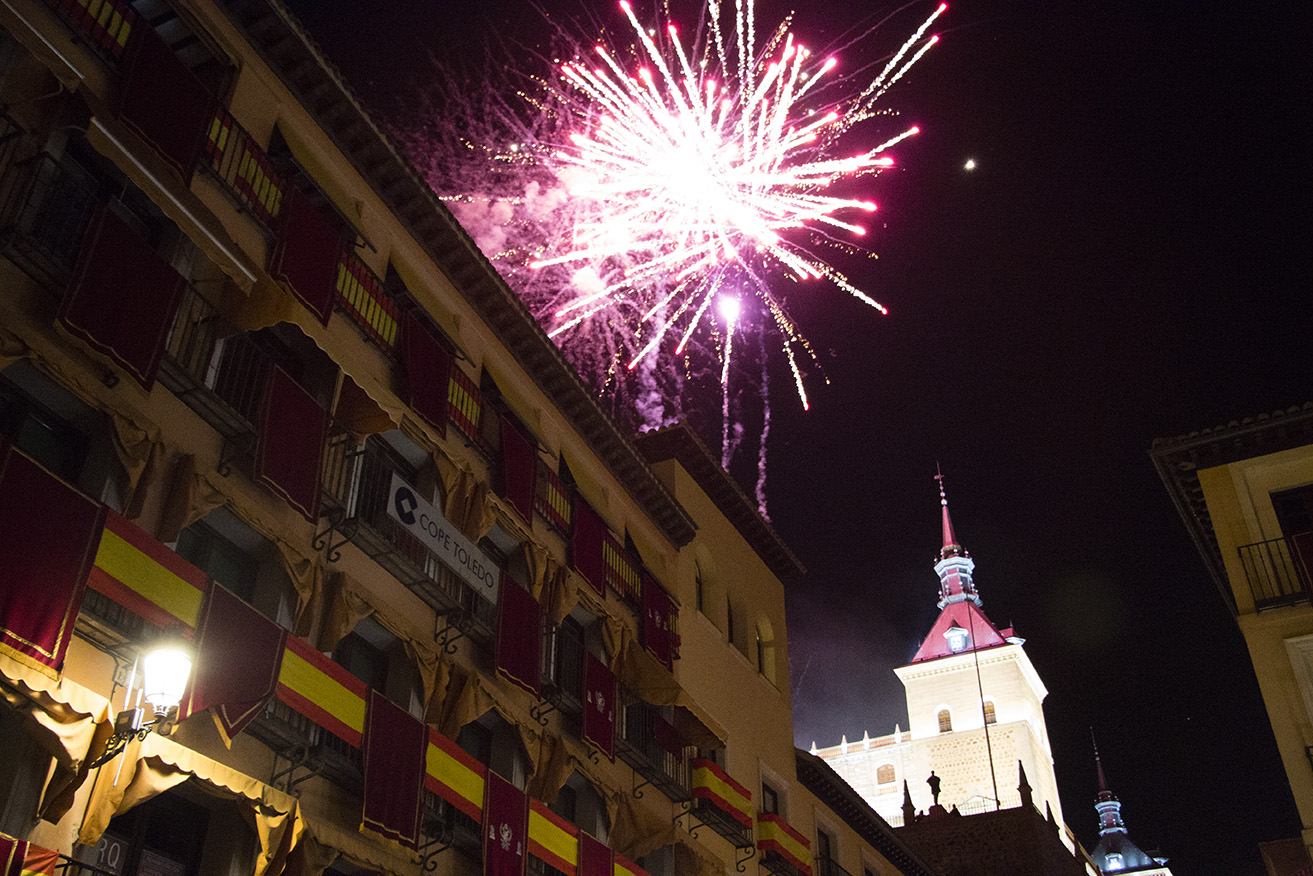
(1023, 785)
(951, 547)
(955, 564)
(1106, 803)
(909, 810)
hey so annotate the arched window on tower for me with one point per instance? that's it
(990, 717)
(884, 774)
(945, 721)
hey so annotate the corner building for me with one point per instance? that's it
(1244, 492)
(260, 393)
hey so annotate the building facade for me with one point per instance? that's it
(260, 394)
(1245, 494)
(975, 712)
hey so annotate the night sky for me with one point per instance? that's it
(1131, 259)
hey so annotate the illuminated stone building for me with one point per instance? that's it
(975, 711)
(1245, 494)
(259, 392)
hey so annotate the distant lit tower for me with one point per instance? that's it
(1115, 852)
(974, 706)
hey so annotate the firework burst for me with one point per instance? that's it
(626, 192)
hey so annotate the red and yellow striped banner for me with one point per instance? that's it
(145, 577)
(552, 839)
(711, 783)
(322, 691)
(626, 867)
(774, 834)
(455, 776)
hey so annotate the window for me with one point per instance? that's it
(945, 721)
(990, 716)
(580, 804)
(40, 433)
(378, 658)
(241, 559)
(699, 590)
(495, 743)
(766, 650)
(770, 799)
(825, 864)
(884, 774)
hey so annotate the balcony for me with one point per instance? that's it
(243, 170)
(103, 25)
(304, 745)
(563, 668)
(46, 209)
(643, 740)
(357, 481)
(829, 867)
(1274, 576)
(446, 827)
(776, 864)
(622, 573)
(216, 370)
(361, 296)
(553, 501)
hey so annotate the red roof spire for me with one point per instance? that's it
(951, 547)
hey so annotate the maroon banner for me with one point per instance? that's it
(586, 545)
(395, 745)
(164, 102)
(666, 736)
(238, 654)
(428, 371)
(595, 857)
(122, 297)
(519, 635)
(505, 827)
(306, 255)
(658, 622)
(49, 533)
(599, 705)
(519, 467)
(289, 447)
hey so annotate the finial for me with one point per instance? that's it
(939, 476)
(1098, 763)
(950, 547)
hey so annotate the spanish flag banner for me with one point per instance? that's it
(145, 577)
(454, 776)
(712, 784)
(775, 835)
(625, 867)
(552, 839)
(322, 691)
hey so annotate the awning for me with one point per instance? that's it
(156, 764)
(65, 718)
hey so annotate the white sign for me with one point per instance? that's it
(453, 550)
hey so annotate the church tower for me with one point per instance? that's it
(1115, 853)
(975, 710)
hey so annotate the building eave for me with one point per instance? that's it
(818, 777)
(305, 71)
(1179, 460)
(681, 443)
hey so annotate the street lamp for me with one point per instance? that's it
(165, 670)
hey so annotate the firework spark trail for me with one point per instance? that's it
(644, 181)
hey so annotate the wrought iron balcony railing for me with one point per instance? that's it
(776, 864)
(563, 668)
(303, 745)
(622, 573)
(104, 25)
(216, 370)
(47, 207)
(640, 744)
(1274, 577)
(357, 481)
(829, 867)
(243, 169)
(445, 826)
(361, 296)
(553, 500)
